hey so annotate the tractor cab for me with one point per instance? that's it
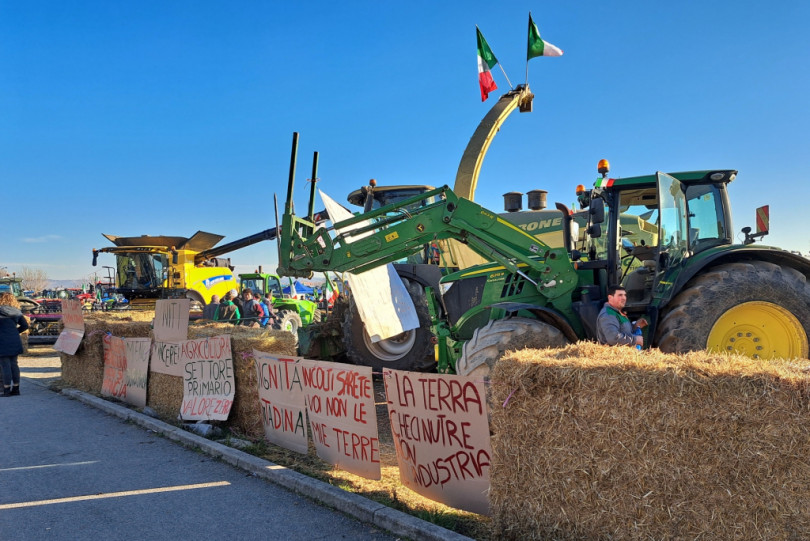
(654, 225)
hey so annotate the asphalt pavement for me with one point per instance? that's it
(74, 466)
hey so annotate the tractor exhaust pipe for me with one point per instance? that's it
(513, 201)
(537, 199)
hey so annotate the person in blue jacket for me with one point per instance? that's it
(12, 324)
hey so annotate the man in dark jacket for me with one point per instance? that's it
(12, 324)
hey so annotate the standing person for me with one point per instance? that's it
(12, 324)
(613, 327)
(210, 310)
(269, 317)
(252, 312)
(236, 300)
(227, 310)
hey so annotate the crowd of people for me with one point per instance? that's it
(249, 309)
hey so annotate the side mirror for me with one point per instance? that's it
(594, 231)
(95, 257)
(597, 210)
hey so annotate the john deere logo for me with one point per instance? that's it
(420, 227)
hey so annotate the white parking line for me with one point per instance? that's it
(49, 466)
(112, 495)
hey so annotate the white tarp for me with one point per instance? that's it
(382, 300)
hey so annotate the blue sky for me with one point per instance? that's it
(146, 117)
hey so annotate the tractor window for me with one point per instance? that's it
(137, 270)
(707, 226)
(273, 286)
(256, 285)
(674, 227)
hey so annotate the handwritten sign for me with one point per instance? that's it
(115, 366)
(165, 358)
(171, 320)
(137, 367)
(71, 336)
(342, 417)
(281, 397)
(208, 382)
(441, 436)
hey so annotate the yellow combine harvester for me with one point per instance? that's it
(155, 267)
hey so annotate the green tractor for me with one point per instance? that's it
(291, 314)
(667, 238)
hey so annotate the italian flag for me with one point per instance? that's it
(330, 292)
(538, 47)
(486, 60)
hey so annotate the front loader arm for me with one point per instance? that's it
(394, 233)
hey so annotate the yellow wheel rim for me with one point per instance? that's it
(761, 330)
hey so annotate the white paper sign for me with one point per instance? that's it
(208, 381)
(384, 304)
(342, 416)
(171, 320)
(137, 355)
(441, 436)
(281, 398)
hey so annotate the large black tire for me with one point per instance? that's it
(757, 309)
(288, 320)
(488, 343)
(412, 350)
(317, 316)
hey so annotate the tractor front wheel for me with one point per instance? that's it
(411, 350)
(490, 342)
(288, 320)
(757, 309)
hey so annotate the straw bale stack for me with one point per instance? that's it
(85, 369)
(245, 416)
(598, 442)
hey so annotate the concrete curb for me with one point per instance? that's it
(362, 509)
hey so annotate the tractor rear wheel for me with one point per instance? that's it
(758, 309)
(488, 343)
(411, 350)
(288, 320)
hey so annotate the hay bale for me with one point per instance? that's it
(245, 416)
(85, 369)
(600, 442)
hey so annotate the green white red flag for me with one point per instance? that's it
(538, 47)
(486, 60)
(330, 292)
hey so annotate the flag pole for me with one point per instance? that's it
(507, 78)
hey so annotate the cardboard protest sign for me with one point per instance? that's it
(115, 366)
(208, 382)
(171, 320)
(342, 416)
(73, 331)
(165, 359)
(281, 397)
(137, 367)
(441, 436)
